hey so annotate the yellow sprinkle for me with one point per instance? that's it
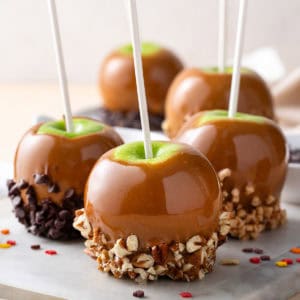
(281, 264)
(5, 246)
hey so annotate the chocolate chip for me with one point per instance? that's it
(125, 119)
(248, 250)
(69, 194)
(16, 201)
(35, 247)
(65, 215)
(41, 178)
(14, 191)
(53, 188)
(55, 234)
(39, 217)
(22, 184)
(49, 223)
(20, 213)
(10, 183)
(30, 191)
(31, 200)
(265, 257)
(59, 224)
(138, 294)
(258, 251)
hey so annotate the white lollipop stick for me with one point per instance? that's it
(138, 67)
(235, 82)
(222, 35)
(60, 65)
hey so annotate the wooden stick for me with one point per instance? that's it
(235, 82)
(138, 67)
(60, 65)
(222, 35)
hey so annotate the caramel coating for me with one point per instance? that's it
(256, 153)
(194, 90)
(117, 80)
(66, 161)
(168, 201)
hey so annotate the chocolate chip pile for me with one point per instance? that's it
(294, 156)
(129, 119)
(44, 217)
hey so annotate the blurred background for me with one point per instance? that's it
(90, 29)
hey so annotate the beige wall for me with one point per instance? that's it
(91, 28)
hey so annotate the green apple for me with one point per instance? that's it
(215, 115)
(146, 48)
(227, 70)
(82, 126)
(252, 151)
(135, 153)
(197, 90)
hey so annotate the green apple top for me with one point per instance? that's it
(146, 49)
(82, 127)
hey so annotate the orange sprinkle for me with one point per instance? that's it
(5, 246)
(5, 231)
(295, 250)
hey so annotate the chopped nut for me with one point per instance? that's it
(144, 261)
(224, 230)
(151, 271)
(249, 189)
(270, 199)
(255, 201)
(126, 265)
(82, 224)
(119, 249)
(201, 275)
(181, 247)
(132, 243)
(187, 267)
(143, 274)
(224, 173)
(193, 244)
(235, 192)
(160, 269)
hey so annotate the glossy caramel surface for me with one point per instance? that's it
(171, 200)
(194, 90)
(67, 161)
(256, 153)
(117, 80)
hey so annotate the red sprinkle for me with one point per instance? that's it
(289, 261)
(5, 231)
(298, 260)
(51, 252)
(254, 260)
(186, 295)
(11, 242)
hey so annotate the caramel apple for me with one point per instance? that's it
(50, 171)
(250, 155)
(145, 218)
(195, 90)
(118, 87)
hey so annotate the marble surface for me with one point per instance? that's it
(73, 275)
